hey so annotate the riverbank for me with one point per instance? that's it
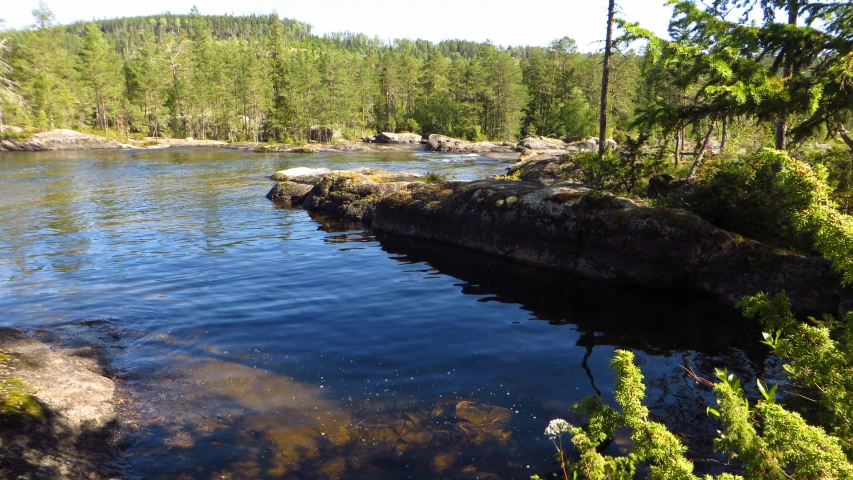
(383, 142)
(566, 226)
(59, 409)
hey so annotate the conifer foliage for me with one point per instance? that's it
(265, 78)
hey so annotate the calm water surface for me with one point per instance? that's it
(262, 342)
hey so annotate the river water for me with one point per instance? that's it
(264, 342)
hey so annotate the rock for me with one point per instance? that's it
(482, 414)
(588, 145)
(354, 147)
(386, 137)
(542, 143)
(300, 175)
(323, 134)
(545, 169)
(610, 144)
(350, 195)
(587, 233)
(442, 143)
(60, 140)
(289, 193)
(714, 147)
(383, 176)
(664, 184)
(69, 437)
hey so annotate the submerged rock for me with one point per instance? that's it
(594, 234)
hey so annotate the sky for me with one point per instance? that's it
(525, 22)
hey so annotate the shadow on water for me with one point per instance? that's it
(653, 321)
(693, 331)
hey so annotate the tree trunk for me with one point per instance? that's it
(677, 147)
(700, 155)
(725, 134)
(843, 131)
(602, 121)
(787, 73)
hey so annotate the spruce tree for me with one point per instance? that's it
(100, 74)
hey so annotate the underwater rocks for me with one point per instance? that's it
(550, 222)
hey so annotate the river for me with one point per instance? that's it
(263, 342)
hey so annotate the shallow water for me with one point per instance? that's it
(262, 342)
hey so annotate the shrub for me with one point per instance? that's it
(767, 440)
(780, 200)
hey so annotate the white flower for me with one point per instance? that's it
(557, 427)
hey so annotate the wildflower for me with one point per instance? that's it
(557, 427)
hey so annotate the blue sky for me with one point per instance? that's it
(525, 22)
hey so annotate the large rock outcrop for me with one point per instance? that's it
(442, 143)
(387, 137)
(60, 140)
(569, 227)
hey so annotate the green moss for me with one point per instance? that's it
(17, 404)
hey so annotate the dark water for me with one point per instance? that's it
(263, 343)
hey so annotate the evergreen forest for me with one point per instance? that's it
(264, 78)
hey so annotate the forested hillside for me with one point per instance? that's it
(267, 78)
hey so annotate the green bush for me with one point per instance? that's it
(838, 163)
(14, 136)
(764, 440)
(782, 201)
(625, 171)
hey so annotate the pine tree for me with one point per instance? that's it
(145, 82)
(99, 72)
(282, 109)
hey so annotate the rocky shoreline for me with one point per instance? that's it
(60, 140)
(550, 221)
(59, 409)
(382, 142)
